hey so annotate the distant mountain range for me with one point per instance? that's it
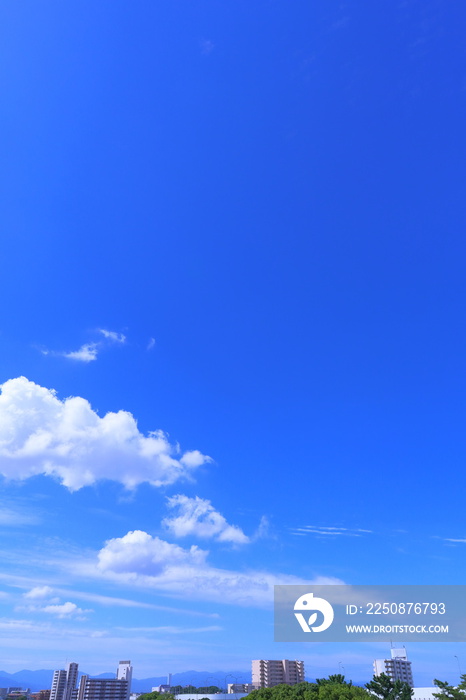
(40, 680)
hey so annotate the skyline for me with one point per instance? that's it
(231, 328)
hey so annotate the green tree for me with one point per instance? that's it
(384, 688)
(449, 692)
(156, 696)
(261, 694)
(332, 688)
(342, 691)
(335, 678)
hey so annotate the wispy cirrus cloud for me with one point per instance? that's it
(88, 352)
(11, 517)
(46, 594)
(67, 440)
(113, 336)
(39, 592)
(171, 629)
(329, 531)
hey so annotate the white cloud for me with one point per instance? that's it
(86, 353)
(329, 531)
(151, 344)
(138, 552)
(263, 528)
(138, 559)
(170, 629)
(113, 336)
(127, 603)
(40, 434)
(64, 610)
(197, 517)
(89, 351)
(54, 607)
(17, 517)
(39, 592)
(192, 459)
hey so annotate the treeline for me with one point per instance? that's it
(332, 688)
(336, 688)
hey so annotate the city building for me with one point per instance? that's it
(14, 692)
(71, 680)
(398, 668)
(241, 688)
(41, 695)
(125, 673)
(267, 673)
(165, 687)
(64, 682)
(58, 685)
(118, 688)
(424, 693)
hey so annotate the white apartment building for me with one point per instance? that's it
(242, 688)
(71, 680)
(118, 688)
(266, 673)
(125, 673)
(398, 668)
(64, 682)
(58, 685)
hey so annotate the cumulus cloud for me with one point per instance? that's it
(138, 559)
(197, 517)
(86, 353)
(41, 599)
(140, 553)
(41, 434)
(64, 610)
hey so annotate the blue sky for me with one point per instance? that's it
(241, 224)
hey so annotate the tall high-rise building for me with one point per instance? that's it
(64, 683)
(71, 680)
(125, 673)
(58, 685)
(398, 668)
(267, 673)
